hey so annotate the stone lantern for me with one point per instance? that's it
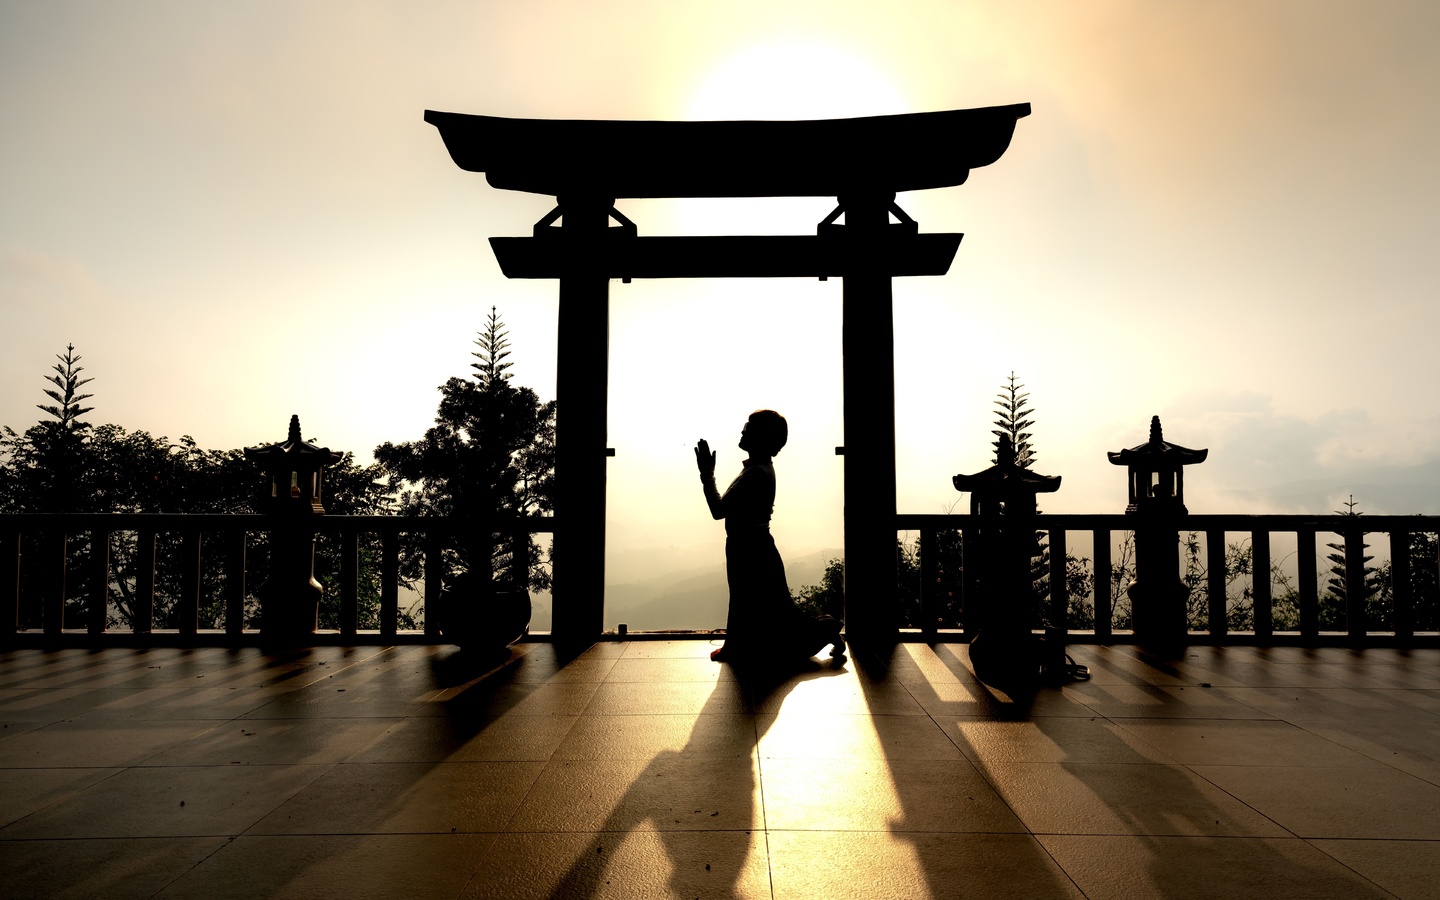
(1157, 499)
(1003, 650)
(290, 604)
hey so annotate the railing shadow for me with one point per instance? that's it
(1094, 791)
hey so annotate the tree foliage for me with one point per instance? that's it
(489, 456)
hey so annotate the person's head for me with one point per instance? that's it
(765, 432)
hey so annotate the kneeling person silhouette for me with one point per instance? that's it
(763, 626)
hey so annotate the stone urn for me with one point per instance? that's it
(475, 612)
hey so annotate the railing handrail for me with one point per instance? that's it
(1189, 522)
(187, 522)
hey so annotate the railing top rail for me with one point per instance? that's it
(187, 522)
(1195, 522)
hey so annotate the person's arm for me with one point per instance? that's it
(705, 462)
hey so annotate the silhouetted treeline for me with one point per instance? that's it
(489, 455)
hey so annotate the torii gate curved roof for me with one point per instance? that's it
(817, 157)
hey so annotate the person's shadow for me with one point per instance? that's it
(761, 687)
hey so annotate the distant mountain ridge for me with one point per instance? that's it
(694, 599)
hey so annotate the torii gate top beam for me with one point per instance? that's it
(813, 158)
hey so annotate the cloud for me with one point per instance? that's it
(1270, 460)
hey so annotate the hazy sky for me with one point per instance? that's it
(1221, 212)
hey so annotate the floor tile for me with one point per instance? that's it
(1049, 739)
(652, 669)
(23, 791)
(98, 742)
(268, 742)
(665, 697)
(113, 868)
(435, 739)
(357, 867)
(819, 736)
(361, 798)
(695, 649)
(961, 700)
(624, 865)
(1222, 742)
(1163, 701)
(1224, 868)
(670, 792)
(547, 669)
(881, 795)
(1106, 798)
(843, 693)
(922, 664)
(1370, 802)
(885, 865)
(645, 737)
(168, 802)
(1404, 868)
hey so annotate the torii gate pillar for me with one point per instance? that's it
(868, 385)
(582, 399)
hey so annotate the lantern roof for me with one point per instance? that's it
(292, 450)
(1157, 453)
(1006, 479)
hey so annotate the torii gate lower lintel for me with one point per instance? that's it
(862, 162)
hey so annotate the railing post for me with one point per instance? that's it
(98, 613)
(143, 614)
(434, 581)
(187, 611)
(53, 612)
(1400, 583)
(9, 585)
(389, 583)
(1104, 601)
(1215, 582)
(350, 582)
(929, 586)
(1059, 590)
(235, 584)
(1309, 585)
(969, 563)
(1260, 583)
(1355, 622)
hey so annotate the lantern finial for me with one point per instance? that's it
(294, 436)
(1155, 435)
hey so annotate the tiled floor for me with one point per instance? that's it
(642, 769)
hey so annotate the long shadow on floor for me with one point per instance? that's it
(675, 811)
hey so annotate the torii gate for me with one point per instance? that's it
(586, 165)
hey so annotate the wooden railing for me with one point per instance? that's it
(51, 572)
(223, 541)
(1352, 533)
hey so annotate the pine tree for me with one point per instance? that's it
(68, 382)
(490, 455)
(50, 452)
(492, 353)
(1339, 562)
(1012, 422)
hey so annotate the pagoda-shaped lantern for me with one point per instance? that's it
(1003, 651)
(1158, 597)
(290, 604)
(1157, 472)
